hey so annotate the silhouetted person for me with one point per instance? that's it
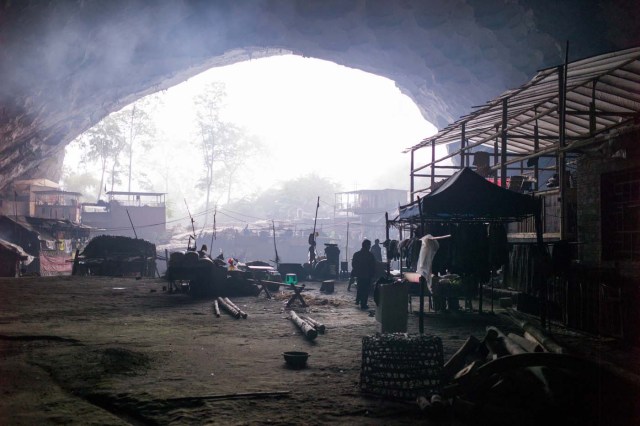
(203, 251)
(363, 267)
(376, 250)
(312, 249)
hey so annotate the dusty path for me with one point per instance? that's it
(78, 350)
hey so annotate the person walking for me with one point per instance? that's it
(363, 267)
(376, 250)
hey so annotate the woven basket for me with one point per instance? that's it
(400, 366)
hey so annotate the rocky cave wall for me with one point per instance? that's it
(66, 64)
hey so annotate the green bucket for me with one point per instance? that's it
(291, 279)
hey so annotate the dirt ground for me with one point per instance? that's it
(111, 351)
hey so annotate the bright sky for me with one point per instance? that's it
(342, 123)
(313, 116)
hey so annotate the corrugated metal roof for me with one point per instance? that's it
(611, 81)
(14, 248)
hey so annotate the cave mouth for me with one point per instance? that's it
(309, 116)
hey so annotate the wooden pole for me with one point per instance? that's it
(74, 268)
(306, 328)
(503, 145)
(421, 319)
(247, 395)
(534, 333)
(458, 360)
(216, 308)
(526, 344)
(512, 347)
(346, 250)
(236, 307)
(275, 248)
(213, 232)
(317, 325)
(541, 279)
(130, 221)
(386, 223)
(230, 309)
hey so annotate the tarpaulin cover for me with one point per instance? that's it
(109, 245)
(467, 196)
(54, 265)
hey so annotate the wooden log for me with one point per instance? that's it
(495, 346)
(317, 325)
(243, 314)
(216, 308)
(230, 309)
(512, 347)
(309, 331)
(526, 344)
(546, 341)
(458, 360)
(536, 334)
(423, 402)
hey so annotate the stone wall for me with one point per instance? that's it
(591, 167)
(66, 64)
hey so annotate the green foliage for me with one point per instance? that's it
(104, 143)
(107, 142)
(84, 182)
(223, 145)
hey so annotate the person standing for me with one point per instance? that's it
(376, 250)
(203, 251)
(363, 267)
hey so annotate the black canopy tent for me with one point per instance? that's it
(467, 197)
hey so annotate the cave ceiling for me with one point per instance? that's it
(65, 65)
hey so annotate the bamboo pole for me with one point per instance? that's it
(216, 308)
(308, 330)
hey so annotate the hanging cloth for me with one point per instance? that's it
(428, 251)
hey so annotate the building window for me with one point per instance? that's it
(620, 209)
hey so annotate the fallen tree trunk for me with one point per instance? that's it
(512, 347)
(309, 331)
(230, 309)
(216, 308)
(233, 305)
(526, 344)
(317, 325)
